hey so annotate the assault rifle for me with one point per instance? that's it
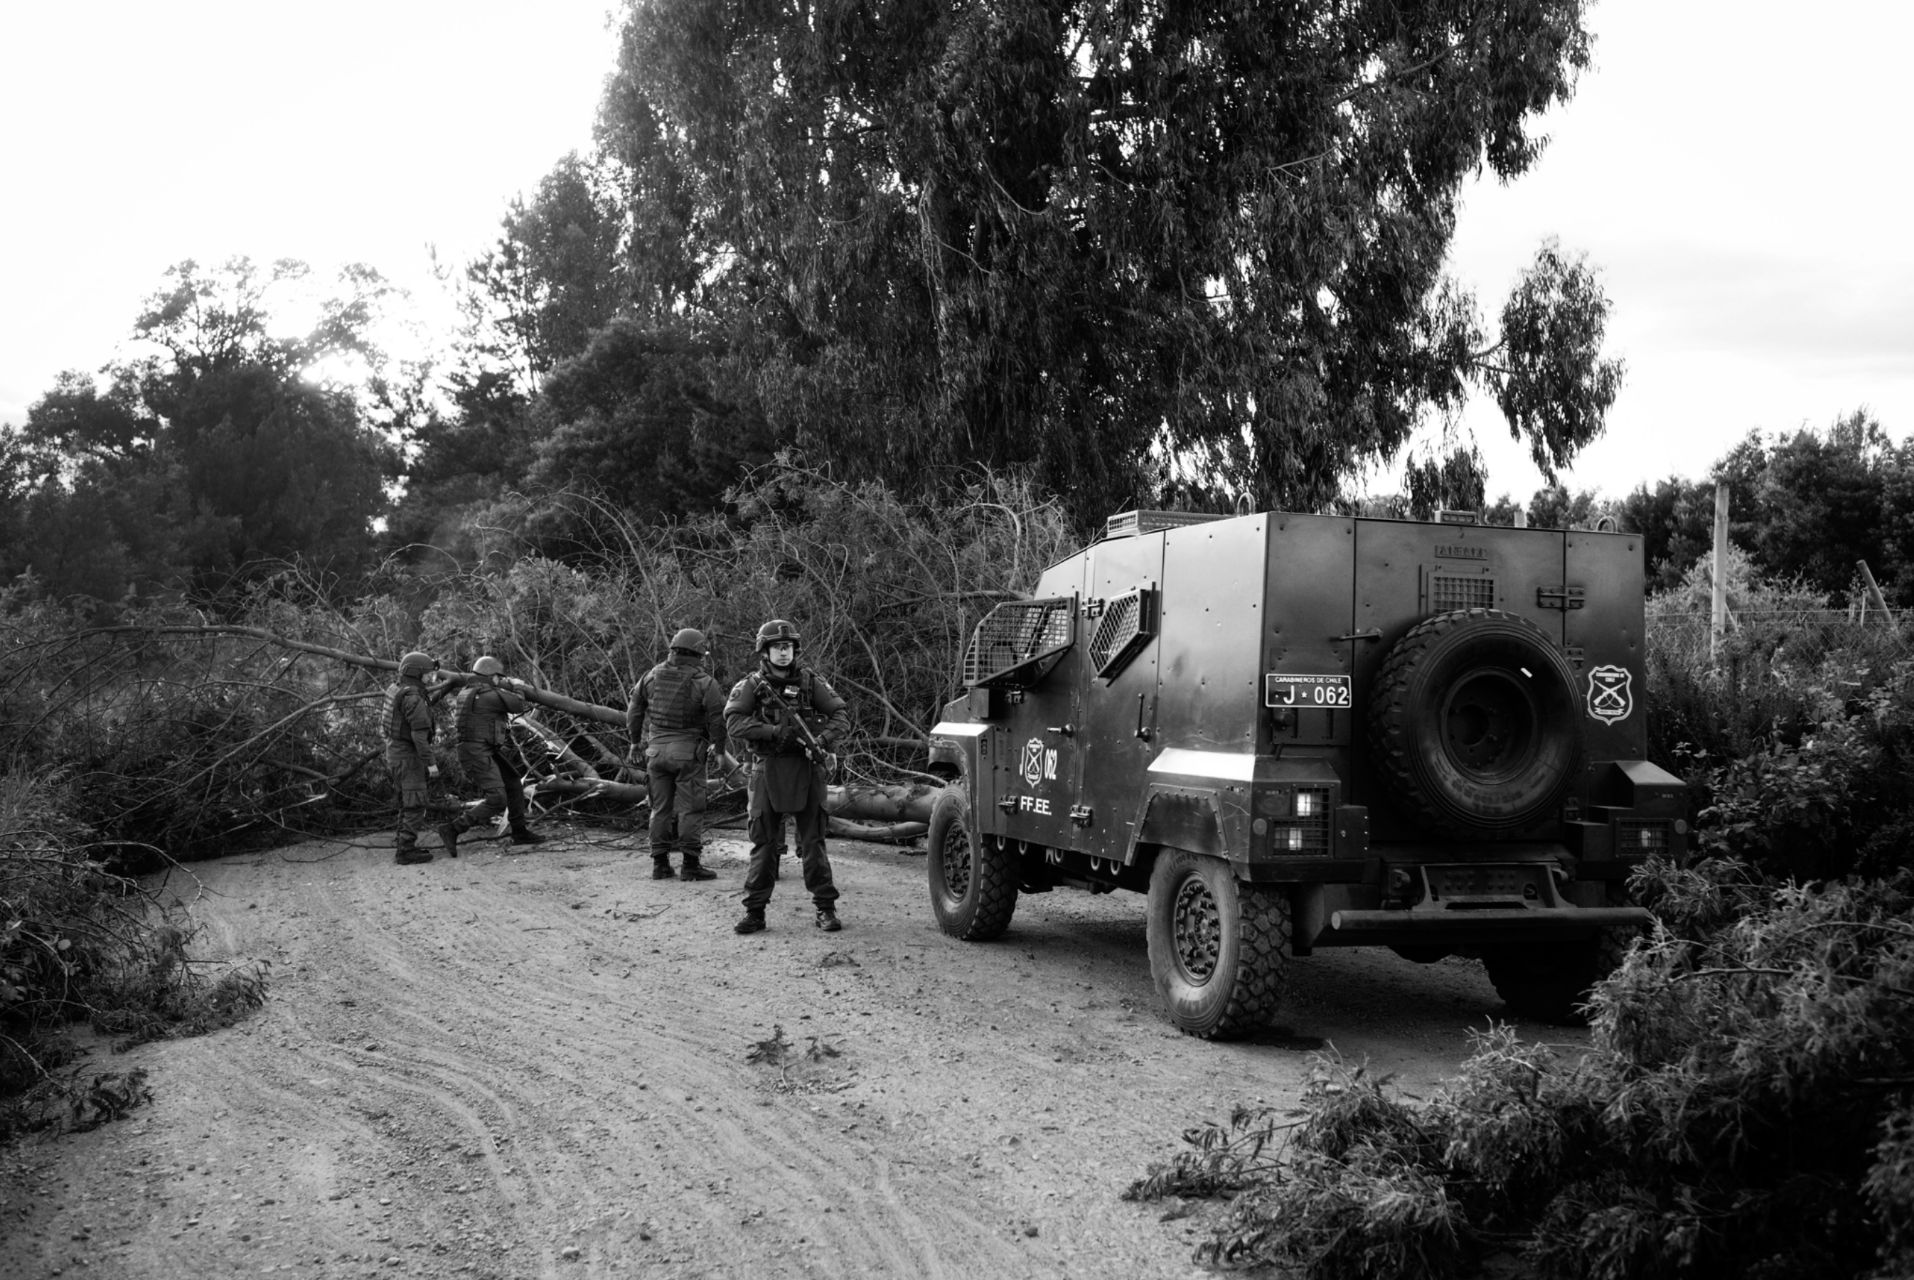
(815, 750)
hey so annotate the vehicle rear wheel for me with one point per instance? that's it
(1475, 721)
(1551, 983)
(973, 880)
(1218, 948)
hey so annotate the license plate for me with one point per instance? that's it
(1305, 691)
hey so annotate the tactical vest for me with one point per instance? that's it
(476, 722)
(796, 692)
(804, 699)
(674, 705)
(398, 724)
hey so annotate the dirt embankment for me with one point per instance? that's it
(552, 1065)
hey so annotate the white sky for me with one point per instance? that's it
(1738, 175)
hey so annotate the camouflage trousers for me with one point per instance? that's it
(675, 777)
(409, 777)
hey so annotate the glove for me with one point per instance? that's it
(787, 735)
(431, 771)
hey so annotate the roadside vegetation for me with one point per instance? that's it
(83, 947)
(1746, 1105)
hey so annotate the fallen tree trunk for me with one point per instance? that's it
(884, 806)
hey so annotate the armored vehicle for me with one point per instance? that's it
(1294, 731)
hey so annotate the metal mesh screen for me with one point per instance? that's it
(1127, 624)
(1017, 643)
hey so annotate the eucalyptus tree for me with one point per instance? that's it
(1128, 244)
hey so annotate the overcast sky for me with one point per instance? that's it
(1737, 173)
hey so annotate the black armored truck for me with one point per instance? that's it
(1300, 731)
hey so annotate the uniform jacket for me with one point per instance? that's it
(677, 701)
(754, 722)
(785, 779)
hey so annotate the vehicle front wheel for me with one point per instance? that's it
(1218, 948)
(973, 880)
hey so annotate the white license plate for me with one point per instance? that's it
(1305, 691)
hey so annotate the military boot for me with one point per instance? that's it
(449, 837)
(661, 868)
(694, 869)
(525, 835)
(752, 922)
(408, 854)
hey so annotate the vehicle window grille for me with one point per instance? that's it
(1451, 591)
(1127, 624)
(1018, 642)
(1637, 836)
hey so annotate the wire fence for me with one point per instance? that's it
(1798, 640)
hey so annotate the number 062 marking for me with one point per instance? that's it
(1305, 691)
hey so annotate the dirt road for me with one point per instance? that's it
(544, 1066)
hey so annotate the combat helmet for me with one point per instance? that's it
(775, 630)
(689, 640)
(416, 664)
(489, 666)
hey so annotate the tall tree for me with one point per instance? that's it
(637, 418)
(1087, 235)
(1820, 503)
(227, 444)
(550, 281)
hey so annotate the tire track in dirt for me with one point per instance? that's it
(507, 1066)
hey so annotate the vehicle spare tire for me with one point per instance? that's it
(1475, 722)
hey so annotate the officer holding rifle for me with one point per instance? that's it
(789, 719)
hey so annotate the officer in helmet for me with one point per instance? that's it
(408, 751)
(762, 715)
(676, 717)
(478, 718)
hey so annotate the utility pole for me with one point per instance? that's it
(1718, 601)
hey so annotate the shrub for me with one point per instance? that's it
(79, 944)
(1746, 1109)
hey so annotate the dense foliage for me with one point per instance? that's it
(1070, 235)
(190, 737)
(222, 446)
(1746, 1108)
(79, 944)
(1808, 506)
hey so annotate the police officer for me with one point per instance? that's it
(761, 715)
(408, 751)
(478, 718)
(683, 709)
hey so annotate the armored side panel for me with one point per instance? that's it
(1186, 747)
(1213, 615)
(1032, 746)
(1123, 618)
(1629, 808)
(1602, 632)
